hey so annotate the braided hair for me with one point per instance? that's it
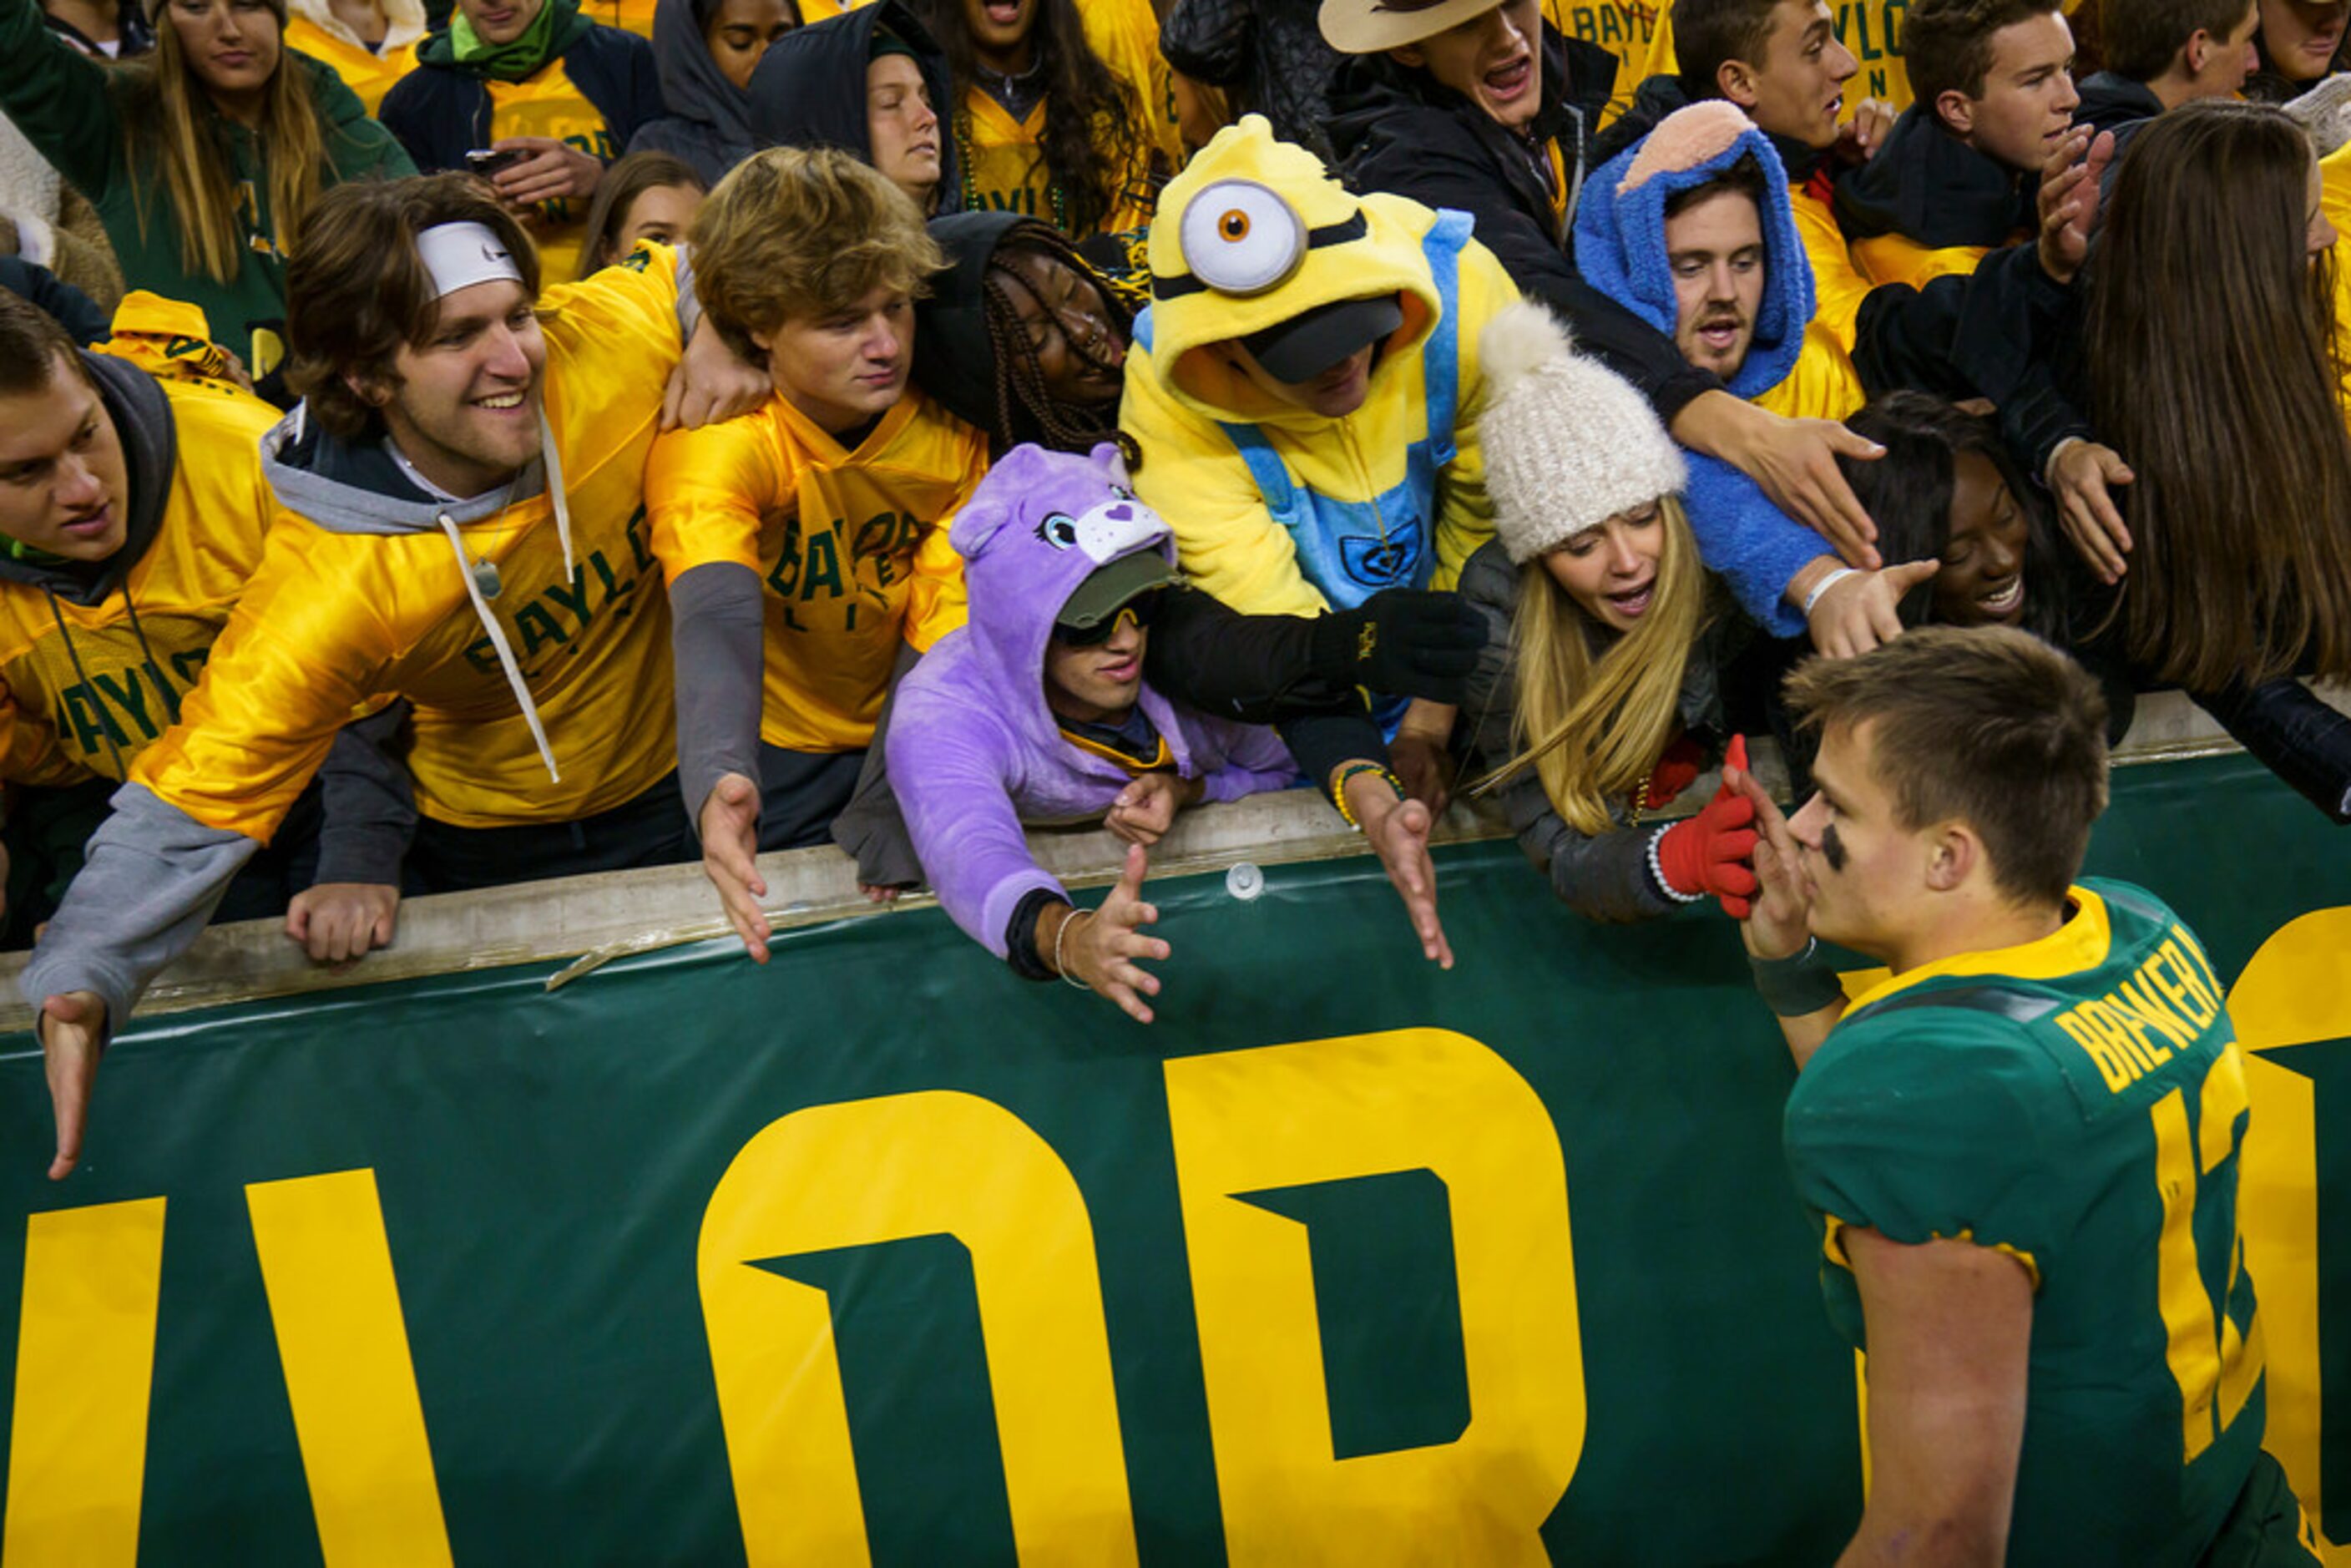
(1026, 408)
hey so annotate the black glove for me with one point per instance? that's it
(1401, 641)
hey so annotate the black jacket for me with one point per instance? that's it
(1268, 53)
(1398, 131)
(1929, 186)
(441, 110)
(808, 88)
(2111, 101)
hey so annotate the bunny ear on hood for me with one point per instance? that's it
(1038, 527)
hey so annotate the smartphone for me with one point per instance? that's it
(487, 161)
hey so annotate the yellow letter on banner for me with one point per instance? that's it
(886, 1170)
(326, 1265)
(2296, 989)
(85, 1361)
(1362, 1105)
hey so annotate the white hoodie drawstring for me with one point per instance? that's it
(498, 636)
(554, 467)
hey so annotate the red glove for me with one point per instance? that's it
(1712, 851)
(1675, 771)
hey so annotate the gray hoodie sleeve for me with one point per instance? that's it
(148, 880)
(370, 804)
(718, 644)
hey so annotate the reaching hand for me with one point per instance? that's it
(73, 1035)
(1854, 614)
(731, 853)
(1794, 461)
(553, 171)
(1422, 755)
(711, 384)
(2071, 179)
(1147, 808)
(1776, 925)
(340, 921)
(1859, 139)
(1103, 950)
(1403, 642)
(1397, 832)
(1707, 854)
(2081, 475)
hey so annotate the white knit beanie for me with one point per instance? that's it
(1568, 443)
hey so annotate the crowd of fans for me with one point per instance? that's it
(454, 447)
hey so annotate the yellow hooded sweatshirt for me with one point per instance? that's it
(1277, 509)
(851, 548)
(95, 663)
(360, 595)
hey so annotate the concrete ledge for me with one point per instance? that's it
(595, 918)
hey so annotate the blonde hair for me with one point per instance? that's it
(797, 232)
(167, 127)
(1593, 729)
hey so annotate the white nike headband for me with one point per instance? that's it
(460, 254)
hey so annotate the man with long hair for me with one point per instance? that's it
(2021, 1147)
(460, 523)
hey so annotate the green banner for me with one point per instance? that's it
(877, 1253)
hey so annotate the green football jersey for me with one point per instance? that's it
(2078, 1102)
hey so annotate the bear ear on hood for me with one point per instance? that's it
(996, 501)
(1106, 455)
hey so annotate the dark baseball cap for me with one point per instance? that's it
(1312, 341)
(1107, 590)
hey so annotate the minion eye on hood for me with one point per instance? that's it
(1241, 238)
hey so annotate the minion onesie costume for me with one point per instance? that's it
(1277, 509)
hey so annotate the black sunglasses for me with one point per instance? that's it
(1142, 609)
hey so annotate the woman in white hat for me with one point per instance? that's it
(1597, 700)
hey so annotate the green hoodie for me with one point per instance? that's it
(74, 111)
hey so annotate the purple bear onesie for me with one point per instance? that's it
(974, 752)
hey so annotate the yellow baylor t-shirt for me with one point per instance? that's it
(333, 621)
(63, 726)
(1004, 170)
(852, 546)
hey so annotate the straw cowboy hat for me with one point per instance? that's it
(1368, 26)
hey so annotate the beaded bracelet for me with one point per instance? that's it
(1657, 873)
(1349, 771)
(1059, 936)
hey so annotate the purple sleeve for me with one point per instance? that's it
(1243, 759)
(951, 767)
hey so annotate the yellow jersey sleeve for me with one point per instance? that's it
(707, 491)
(938, 603)
(301, 655)
(1822, 385)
